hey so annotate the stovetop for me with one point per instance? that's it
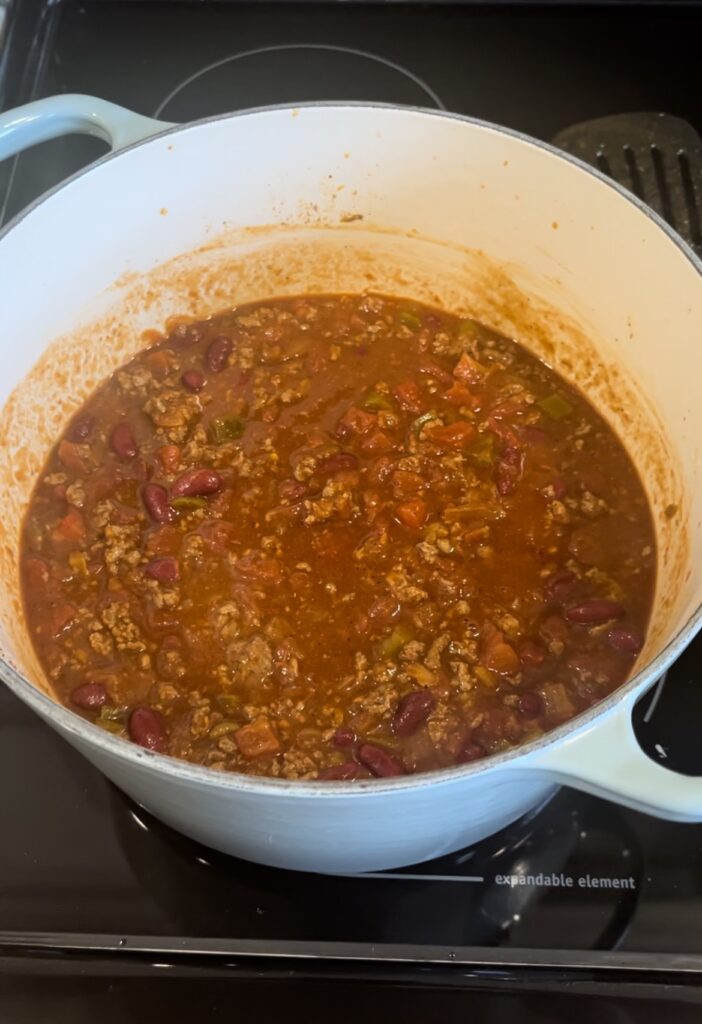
(106, 914)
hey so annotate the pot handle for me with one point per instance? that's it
(46, 119)
(606, 760)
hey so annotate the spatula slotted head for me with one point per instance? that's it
(658, 157)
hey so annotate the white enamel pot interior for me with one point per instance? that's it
(345, 198)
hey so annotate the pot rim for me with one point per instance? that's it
(185, 771)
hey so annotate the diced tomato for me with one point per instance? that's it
(461, 395)
(378, 442)
(410, 397)
(60, 618)
(169, 457)
(355, 421)
(164, 540)
(36, 571)
(158, 361)
(455, 435)
(71, 529)
(533, 436)
(404, 483)
(72, 458)
(381, 469)
(554, 630)
(413, 513)
(257, 739)
(469, 370)
(262, 570)
(218, 534)
(499, 656)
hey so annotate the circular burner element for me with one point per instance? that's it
(297, 73)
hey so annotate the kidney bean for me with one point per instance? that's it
(193, 380)
(336, 463)
(624, 639)
(558, 488)
(470, 751)
(530, 704)
(344, 737)
(559, 585)
(165, 570)
(379, 761)
(590, 613)
(82, 428)
(432, 369)
(89, 696)
(122, 441)
(509, 471)
(147, 728)
(384, 610)
(594, 481)
(218, 353)
(291, 490)
(196, 483)
(155, 499)
(340, 772)
(533, 435)
(412, 711)
(532, 654)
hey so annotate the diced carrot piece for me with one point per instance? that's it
(169, 457)
(71, 529)
(469, 370)
(71, 457)
(456, 435)
(355, 421)
(413, 513)
(257, 739)
(410, 397)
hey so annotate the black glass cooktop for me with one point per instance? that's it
(107, 915)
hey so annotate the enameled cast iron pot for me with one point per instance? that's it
(481, 220)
